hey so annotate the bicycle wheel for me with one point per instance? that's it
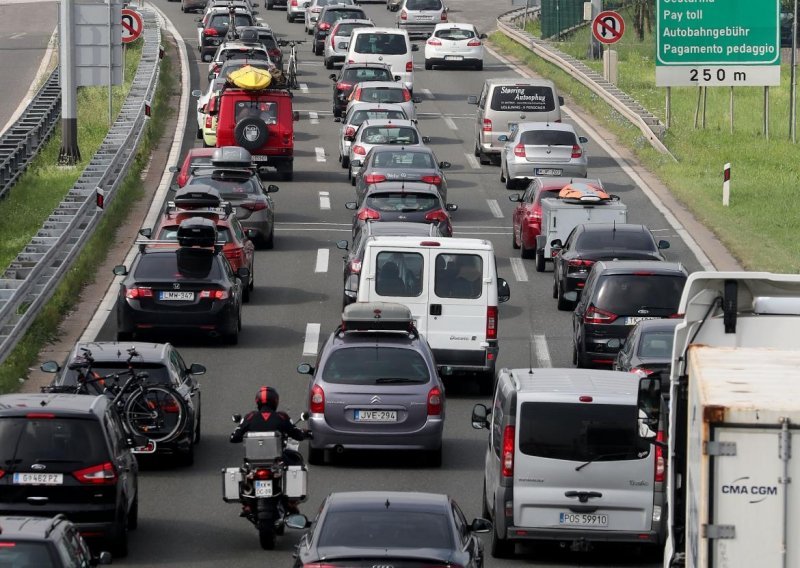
(157, 412)
(293, 74)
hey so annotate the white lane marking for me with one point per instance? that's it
(494, 208)
(313, 117)
(451, 124)
(322, 260)
(311, 341)
(518, 268)
(473, 161)
(19, 35)
(320, 154)
(303, 88)
(542, 352)
(427, 93)
(324, 200)
(314, 223)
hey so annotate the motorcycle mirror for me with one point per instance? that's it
(297, 521)
(304, 416)
(236, 418)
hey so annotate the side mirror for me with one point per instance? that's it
(649, 406)
(414, 47)
(480, 418)
(348, 138)
(305, 369)
(296, 115)
(50, 367)
(146, 232)
(272, 188)
(451, 207)
(197, 369)
(351, 287)
(174, 187)
(351, 205)
(304, 416)
(560, 101)
(426, 139)
(297, 521)
(503, 290)
(236, 418)
(472, 100)
(583, 140)
(614, 344)
(120, 270)
(332, 76)
(444, 165)
(243, 273)
(356, 163)
(515, 197)
(502, 138)
(337, 119)
(103, 559)
(480, 526)
(662, 244)
(397, 77)
(483, 36)
(173, 169)
(251, 234)
(343, 245)
(417, 100)
(556, 244)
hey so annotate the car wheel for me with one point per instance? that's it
(563, 304)
(514, 243)
(269, 242)
(353, 181)
(246, 294)
(119, 542)
(269, 5)
(289, 17)
(316, 456)
(328, 63)
(133, 514)
(510, 183)
(476, 151)
(198, 432)
(501, 547)
(524, 251)
(502, 173)
(345, 161)
(428, 65)
(484, 508)
(233, 337)
(199, 133)
(433, 458)
(266, 535)
(186, 458)
(483, 158)
(579, 357)
(555, 281)
(539, 260)
(479, 66)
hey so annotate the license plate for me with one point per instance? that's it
(453, 58)
(177, 296)
(376, 416)
(636, 319)
(583, 519)
(547, 171)
(259, 158)
(264, 488)
(424, 18)
(38, 478)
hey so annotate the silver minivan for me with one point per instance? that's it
(574, 456)
(504, 102)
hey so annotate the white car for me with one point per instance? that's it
(296, 9)
(385, 92)
(456, 45)
(358, 113)
(337, 44)
(236, 50)
(379, 132)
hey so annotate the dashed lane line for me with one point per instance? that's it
(451, 124)
(320, 152)
(494, 207)
(303, 87)
(473, 161)
(324, 200)
(313, 117)
(542, 352)
(311, 341)
(322, 260)
(518, 268)
(427, 93)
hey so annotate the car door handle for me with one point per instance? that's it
(436, 309)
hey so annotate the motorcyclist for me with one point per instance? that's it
(267, 418)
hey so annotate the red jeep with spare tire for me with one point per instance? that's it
(260, 121)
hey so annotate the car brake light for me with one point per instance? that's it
(577, 151)
(254, 206)
(437, 215)
(581, 263)
(434, 41)
(487, 125)
(210, 32)
(537, 213)
(274, 53)
(214, 294)
(359, 150)
(508, 451)
(409, 66)
(596, 315)
(641, 372)
(344, 86)
(317, 402)
(102, 474)
(474, 43)
(443, 17)
(491, 322)
(333, 40)
(8, 544)
(406, 95)
(661, 466)
(355, 266)
(2, 472)
(263, 474)
(374, 178)
(435, 402)
(324, 26)
(349, 131)
(403, 15)
(430, 244)
(519, 150)
(368, 213)
(209, 121)
(293, 3)
(34, 415)
(433, 180)
(235, 256)
(136, 293)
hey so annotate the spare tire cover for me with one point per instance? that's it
(251, 133)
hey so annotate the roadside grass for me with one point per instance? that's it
(45, 327)
(761, 225)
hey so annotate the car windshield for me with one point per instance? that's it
(25, 553)
(390, 135)
(200, 161)
(400, 159)
(360, 74)
(523, 98)
(423, 4)
(580, 432)
(383, 95)
(177, 265)
(170, 233)
(25, 441)
(629, 294)
(385, 529)
(220, 21)
(548, 138)
(360, 116)
(375, 365)
(381, 43)
(402, 202)
(656, 344)
(454, 34)
(157, 374)
(229, 189)
(612, 240)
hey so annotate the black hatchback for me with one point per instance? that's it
(352, 73)
(44, 542)
(328, 17)
(618, 295)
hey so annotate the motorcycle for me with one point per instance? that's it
(265, 484)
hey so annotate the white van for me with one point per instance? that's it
(390, 46)
(570, 458)
(452, 289)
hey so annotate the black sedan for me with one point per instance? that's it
(589, 243)
(390, 163)
(392, 528)
(648, 349)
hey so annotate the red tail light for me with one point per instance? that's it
(102, 474)
(374, 178)
(359, 150)
(438, 216)
(136, 293)
(2, 472)
(433, 180)
(406, 95)
(254, 206)
(435, 402)
(39, 415)
(324, 26)
(317, 401)
(8, 544)
(491, 322)
(409, 66)
(293, 3)
(434, 41)
(508, 451)
(333, 39)
(355, 266)
(356, 94)
(474, 43)
(274, 53)
(210, 32)
(235, 257)
(641, 372)
(214, 294)
(487, 125)
(263, 474)
(403, 15)
(349, 131)
(443, 17)
(661, 464)
(368, 213)
(536, 214)
(577, 151)
(580, 263)
(344, 87)
(596, 315)
(209, 121)
(519, 150)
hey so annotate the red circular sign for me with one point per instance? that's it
(132, 25)
(608, 27)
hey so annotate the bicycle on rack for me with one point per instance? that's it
(155, 411)
(291, 64)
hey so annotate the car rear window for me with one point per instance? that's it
(344, 30)
(381, 44)
(359, 74)
(331, 16)
(360, 116)
(221, 20)
(399, 274)
(656, 344)
(390, 135)
(157, 374)
(548, 138)
(382, 95)
(423, 4)
(630, 294)
(580, 432)
(266, 111)
(459, 276)
(610, 239)
(229, 188)
(402, 159)
(170, 233)
(454, 34)
(402, 202)
(523, 98)
(22, 553)
(385, 530)
(375, 365)
(25, 441)
(236, 54)
(193, 263)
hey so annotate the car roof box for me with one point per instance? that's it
(199, 195)
(377, 316)
(197, 232)
(231, 157)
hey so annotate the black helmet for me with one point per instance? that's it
(267, 396)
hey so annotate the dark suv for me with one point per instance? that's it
(328, 17)
(618, 295)
(45, 543)
(69, 454)
(353, 73)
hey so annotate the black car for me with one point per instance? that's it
(213, 27)
(589, 243)
(181, 288)
(45, 542)
(410, 202)
(392, 528)
(352, 73)
(69, 454)
(328, 17)
(618, 295)
(263, 36)
(404, 163)
(164, 366)
(648, 349)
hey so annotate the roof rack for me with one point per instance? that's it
(377, 316)
(195, 232)
(201, 199)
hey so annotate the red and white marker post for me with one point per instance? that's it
(726, 185)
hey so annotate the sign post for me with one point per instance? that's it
(608, 28)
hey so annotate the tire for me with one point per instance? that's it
(198, 432)
(579, 358)
(428, 65)
(289, 17)
(266, 536)
(186, 458)
(479, 66)
(345, 161)
(476, 151)
(269, 6)
(124, 336)
(483, 159)
(555, 282)
(433, 458)
(563, 304)
(353, 182)
(233, 337)
(525, 252)
(199, 133)
(514, 243)
(328, 64)
(119, 542)
(133, 514)
(510, 183)
(269, 242)
(316, 456)
(502, 174)
(246, 295)
(249, 125)
(501, 547)
(143, 413)
(317, 50)
(484, 508)
(539, 260)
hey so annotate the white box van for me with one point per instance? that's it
(384, 45)
(567, 459)
(452, 289)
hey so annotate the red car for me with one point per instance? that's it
(194, 157)
(527, 216)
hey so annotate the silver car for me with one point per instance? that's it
(375, 386)
(420, 17)
(357, 114)
(541, 149)
(296, 10)
(337, 44)
(314, 8)
(373, 133)
(385, 92)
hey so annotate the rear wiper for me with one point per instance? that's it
(603, 456)
(656, 308)
(386, 380)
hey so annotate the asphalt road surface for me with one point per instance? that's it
(183, 520)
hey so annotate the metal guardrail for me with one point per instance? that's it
(649, 124)
(33, 276)
(23, 139)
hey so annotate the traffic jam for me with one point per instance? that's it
(483, 383)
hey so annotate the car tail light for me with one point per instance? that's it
(374, 178)
(351, 60)
(317, 401)
(435, 402)
(359, 150)
(406, 95)
(581, 263)
(170, 406)
(324, 26)
(487, 125)
(254, 206)
(641, 372)
(675, 316)
(474, 43)
(40, 415)
(433, 180)
(263, 474)
(2, 472)
(102, 474)
(409, 66)
(344, 87)
(403, 15)
(8, 544)
(577, 151)
(437, 216)
(536, 214)
(214, 294)
(434, 41)
(596, 315)
(491, 322)
(293, 3)
(333, 40)
(235, 256)
(519, 150)
(209, 121)
(661, 465)
(137, 292)
(355, 266)
(443, 17)
(367, 213)
(210, 32)
(349, 131)
(508, 451)
(276, 53)
(356, 94)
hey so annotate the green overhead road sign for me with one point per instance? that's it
(718, 43)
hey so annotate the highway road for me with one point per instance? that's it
(183, 521)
